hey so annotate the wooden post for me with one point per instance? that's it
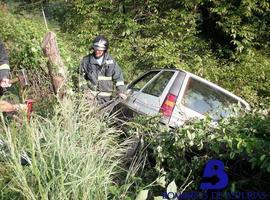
(56, 68)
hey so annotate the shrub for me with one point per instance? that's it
(240, 142)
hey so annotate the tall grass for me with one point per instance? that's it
(72, 155)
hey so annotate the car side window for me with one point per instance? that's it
(203, 99)
(140, 83)
(157, 86)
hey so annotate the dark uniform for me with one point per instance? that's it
(4, 64)
(102, 79)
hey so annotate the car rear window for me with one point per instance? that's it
(140, 83)
(157, 86)
(203, 99)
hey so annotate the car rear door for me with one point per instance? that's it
(150, 98)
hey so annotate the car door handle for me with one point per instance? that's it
(183, 115)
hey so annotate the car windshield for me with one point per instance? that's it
(203, 99)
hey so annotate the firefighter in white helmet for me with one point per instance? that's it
(102, 72)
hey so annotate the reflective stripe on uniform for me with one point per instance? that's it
(119, 83)
(104, 78)
(104, 94)
(109, 62)
(4, 66)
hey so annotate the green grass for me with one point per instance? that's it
(74, 155)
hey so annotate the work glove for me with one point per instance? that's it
(5, 82)
(8, 107)
(89, 95)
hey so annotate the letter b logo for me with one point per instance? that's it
(214, 169)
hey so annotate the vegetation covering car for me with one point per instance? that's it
(179, 95)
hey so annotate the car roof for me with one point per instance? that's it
(208, 83)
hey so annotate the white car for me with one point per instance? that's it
(178, 95)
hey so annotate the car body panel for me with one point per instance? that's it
(195, 96)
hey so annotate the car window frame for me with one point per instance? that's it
(154, 78)
(210, 84)
(141, 77)
(159, 99)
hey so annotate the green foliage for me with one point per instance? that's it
(142, 36)
(181, 154)
(23, 39)
(246, 22)
(225, 42)
(249, 77)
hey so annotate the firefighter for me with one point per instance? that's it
(5, 82)
(4, 67)
(101, 72)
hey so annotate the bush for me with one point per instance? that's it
(242, 143)
(22, 37)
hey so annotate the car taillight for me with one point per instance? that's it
(168, 105)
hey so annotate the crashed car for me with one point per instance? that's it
(178, 95)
